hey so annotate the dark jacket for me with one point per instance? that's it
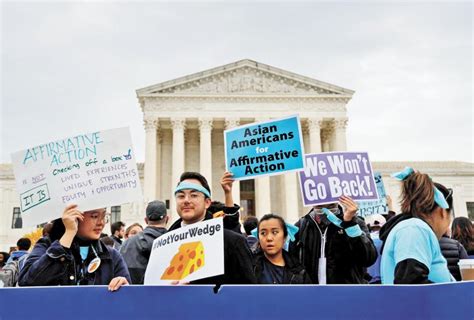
(238, 264)
(347, 257)
(117, 242)
(294, 273)
(452, 250)
(136, 252)
(51, 264)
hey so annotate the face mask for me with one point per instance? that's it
(334, 210)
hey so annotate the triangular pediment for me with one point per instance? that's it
(244, 77)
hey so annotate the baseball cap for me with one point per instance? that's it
(375, 220)
(156, 210)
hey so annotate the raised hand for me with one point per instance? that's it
(350, 207)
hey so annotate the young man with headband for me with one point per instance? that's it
(193, 198)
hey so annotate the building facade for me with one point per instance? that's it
(184, 120)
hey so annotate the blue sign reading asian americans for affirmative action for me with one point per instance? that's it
(264, 148)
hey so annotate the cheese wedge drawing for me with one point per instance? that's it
(190, 257)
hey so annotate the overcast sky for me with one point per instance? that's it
(70, 68)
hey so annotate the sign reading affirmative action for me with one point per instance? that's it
(380, 206)
(92, 170)
(264, 148)
(327, 176)
(193, 252)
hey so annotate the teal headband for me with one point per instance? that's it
(192, 186)
(292, 230)
(438, 195)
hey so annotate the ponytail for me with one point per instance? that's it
(418, 195)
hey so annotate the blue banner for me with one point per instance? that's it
(438, 301)
(264, 148)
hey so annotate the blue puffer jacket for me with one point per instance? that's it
(51, 264)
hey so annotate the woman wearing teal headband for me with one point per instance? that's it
(411, 253)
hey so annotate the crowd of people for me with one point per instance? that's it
(331, 244)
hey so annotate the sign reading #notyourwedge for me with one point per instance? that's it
(92, 170)
(264, 148)
(330, 175)
(192, 252)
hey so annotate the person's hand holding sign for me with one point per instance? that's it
(226, 183)
(117, 282)
(350, 207)
(71, 217)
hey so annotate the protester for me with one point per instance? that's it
(463, 231)
(333, 244)
(136, 250)
(193, 198)
(73, 255)
(231, 213)
(375, 223)
(411, 253)
(23, 245)
(229, 210)
(132, 230)
(117, 230)
(273, 265)
(250, 224)
(3, 259)
(452, 251)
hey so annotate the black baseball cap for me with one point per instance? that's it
(156, 210)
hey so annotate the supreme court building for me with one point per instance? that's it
(184, 120)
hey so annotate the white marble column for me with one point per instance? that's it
(459, 204)
(229, 124)
(326, 137)
(150, 185)
(159, 173)
(263, 199)
(340, 125)
(178, 125)
(205, 152)
(314, 127)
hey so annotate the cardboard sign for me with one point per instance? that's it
(328, 176)
(379, 206)
(189, 253)
(264, 148)
(92, 170)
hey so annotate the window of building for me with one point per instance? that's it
(115, 213)
(470, 210)
(17, 221)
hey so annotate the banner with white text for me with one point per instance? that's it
(192, 252)
(92, 170)
(328, 176)
(264, 148)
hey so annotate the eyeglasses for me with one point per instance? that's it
(96, 217)
(192, 197)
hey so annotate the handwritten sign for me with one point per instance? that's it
(379, 206)
(264, 148)
(327, 176)
(189, 253)
(93, 170)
